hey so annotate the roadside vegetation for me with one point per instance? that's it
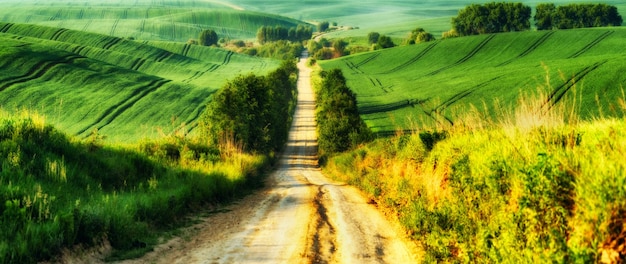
(531, 185)
(59, 191)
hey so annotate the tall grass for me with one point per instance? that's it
(57, 192)
(534, 184)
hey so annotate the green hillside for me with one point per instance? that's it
(142, 19)
(417, 85)
(125, 89)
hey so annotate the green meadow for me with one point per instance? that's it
(429, 84)
(146, 20)
(124, 89)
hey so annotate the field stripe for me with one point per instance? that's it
(87, 24)
(367, 60)
(116, 110)
(530, 49)
(58, 33)
(557, 94)
(6, 27)
(111, 42)
(112, 33)
(227, 58)
(414, 59)
(38, 70)
(366, 110)
(467, 57)
(591, 44)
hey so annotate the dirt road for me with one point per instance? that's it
(301, 217)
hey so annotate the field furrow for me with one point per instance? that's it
(367, 60)
(111, 43)
(58, 33)
(530, 49)
(37, 71)
(114, 111)
(467, 57)
(413, 59)
(227, 57)
(112, 33)
(591, 44)
(6, 27)
(557, 94)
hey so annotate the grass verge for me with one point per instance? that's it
(57, 192)
(533, 186)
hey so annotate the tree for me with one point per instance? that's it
(492, 18)
(372, 37)
(544, 16)
(384, 42)
(208, 37)
(340, 47)
(323, 26)
(419, 35)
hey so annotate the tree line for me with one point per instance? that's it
(269, 33)
(549, 16)
(253, 111)
(506, 17)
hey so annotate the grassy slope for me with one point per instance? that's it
(126, 89)
(145, 20)
(404, 86)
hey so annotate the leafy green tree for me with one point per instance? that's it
(384, 42)
(323, 26)
(492, 18)
(339, 46)
(372, 37)
(419, 35)
(340, 125)
(208, 37)
(544, 16)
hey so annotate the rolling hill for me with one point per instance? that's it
(125, 89)
(143, 19)
(406, 86)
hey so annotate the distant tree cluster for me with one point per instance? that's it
(492, 18)
(549, 16)
(268, 34)
(419, 35)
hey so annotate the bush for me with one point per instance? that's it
(340, 126)
(253, 111)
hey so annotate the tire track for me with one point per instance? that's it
(455, 98)
(414, 59)
(6, 27)
(112, 42)
(112, 33)
(87, 24)
(530, 49)
(367, 60)
(58, 33)
(467, 57)
(81, 14)
(557, 94)
(227, 58)
(353, 67)
(38, 70)
(116, 110)
(591, 44)
(186, 48)
(164, 55)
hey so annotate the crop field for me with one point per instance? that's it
(145, 20)
(418, 85)
(125, 89)
(394, 18)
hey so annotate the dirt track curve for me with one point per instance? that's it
(301, 217)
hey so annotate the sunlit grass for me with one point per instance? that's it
(531, 184)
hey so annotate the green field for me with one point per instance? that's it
(143, 19)
(126, 89)
(394, 18)
(418, 85)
